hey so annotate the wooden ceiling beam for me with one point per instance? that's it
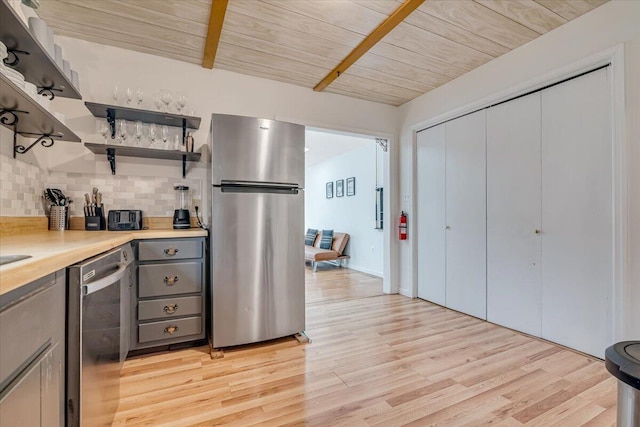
(378, 34)
(216, 19)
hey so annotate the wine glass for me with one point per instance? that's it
(122, 130)
(138, 132)
(115, 94)
(103, 129)
(153, 134)
(129, 96)
(157, 102)
(166, 98)
(181, 102)
(165, 135)
(176, 142)
(139, 95)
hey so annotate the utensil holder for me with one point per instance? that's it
(96, 222)
(59, 218)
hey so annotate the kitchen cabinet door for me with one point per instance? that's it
(577, 213)
(52, 387)
(513, 214)
(431, 214)
(466, 284)
(20, 405)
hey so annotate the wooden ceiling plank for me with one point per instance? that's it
(571, 9)
(365, 95)
(95, 37)
(364, 83)
(400, 69)
(526, 12)
(405, 56)
(187, 45)
(57, 14)
(142, 13)
(480, 20)
(294, 21)
(378, 34)
(340, 13)
(430, 45)
(216, 19)
(379, 76)
(265, 30)
(442, 28)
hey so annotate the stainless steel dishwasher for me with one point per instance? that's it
(94, 337)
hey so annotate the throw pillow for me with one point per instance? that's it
(310, 237)
(327, 239)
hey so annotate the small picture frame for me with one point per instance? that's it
(329, 191)
(351, 186)
(340, 188)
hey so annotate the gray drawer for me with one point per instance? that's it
(169, 249)
(169, 307)
(158, 331)
(169, 279)
(27, 327)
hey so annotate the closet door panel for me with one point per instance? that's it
(577, 216)
(466, 286)
(513, 214)
(431, 214)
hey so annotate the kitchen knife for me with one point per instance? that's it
(87, 199)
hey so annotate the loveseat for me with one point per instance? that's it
(336, 254)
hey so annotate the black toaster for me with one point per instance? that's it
(124, 220)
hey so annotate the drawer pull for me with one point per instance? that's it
(171, 308)
(170, 330)
(170, 281)
(171, 251)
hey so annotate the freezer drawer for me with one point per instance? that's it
(169, 307)
(169, 249)
(257, 266)
(169, 279)
(259, 150)
(173, 328)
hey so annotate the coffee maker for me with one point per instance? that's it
(181, 218)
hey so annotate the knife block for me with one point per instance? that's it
(97, 222)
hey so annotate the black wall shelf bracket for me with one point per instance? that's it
(48, 91)
(111, 119)
(12, 59)
(111, 156)
(184, 166)
(10, 117)
(184, 137)
(45, 140)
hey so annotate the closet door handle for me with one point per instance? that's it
(538, 231)
(447, 227)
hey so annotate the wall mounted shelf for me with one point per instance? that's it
(26, 117)
(115, 112)
(148, 153)
(31, 59)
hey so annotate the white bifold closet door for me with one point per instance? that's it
(577, 213)
(466, 280)
(431, 214)
(514, 285)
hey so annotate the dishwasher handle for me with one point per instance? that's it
(105, 281)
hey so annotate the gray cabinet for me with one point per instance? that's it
(32, 353)
(168, 305)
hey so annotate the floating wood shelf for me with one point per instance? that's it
(148, 153)
(33, 61)
(147, 116)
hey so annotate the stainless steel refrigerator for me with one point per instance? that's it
(257, 236)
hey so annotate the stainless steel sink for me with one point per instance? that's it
(6, 259)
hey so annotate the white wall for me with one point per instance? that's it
(349, 214)
(603, 28)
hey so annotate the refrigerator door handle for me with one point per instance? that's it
(258, 184)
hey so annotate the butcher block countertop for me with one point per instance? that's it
(53, 250)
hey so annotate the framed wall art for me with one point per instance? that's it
(351, 186)
(329, 190)
(340, 188)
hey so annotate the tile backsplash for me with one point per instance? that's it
(155, 196)
(21, 186)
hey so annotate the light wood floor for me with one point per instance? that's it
(375, 360)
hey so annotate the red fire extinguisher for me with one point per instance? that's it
(402, 227)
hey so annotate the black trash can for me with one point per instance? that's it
(623, 361)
